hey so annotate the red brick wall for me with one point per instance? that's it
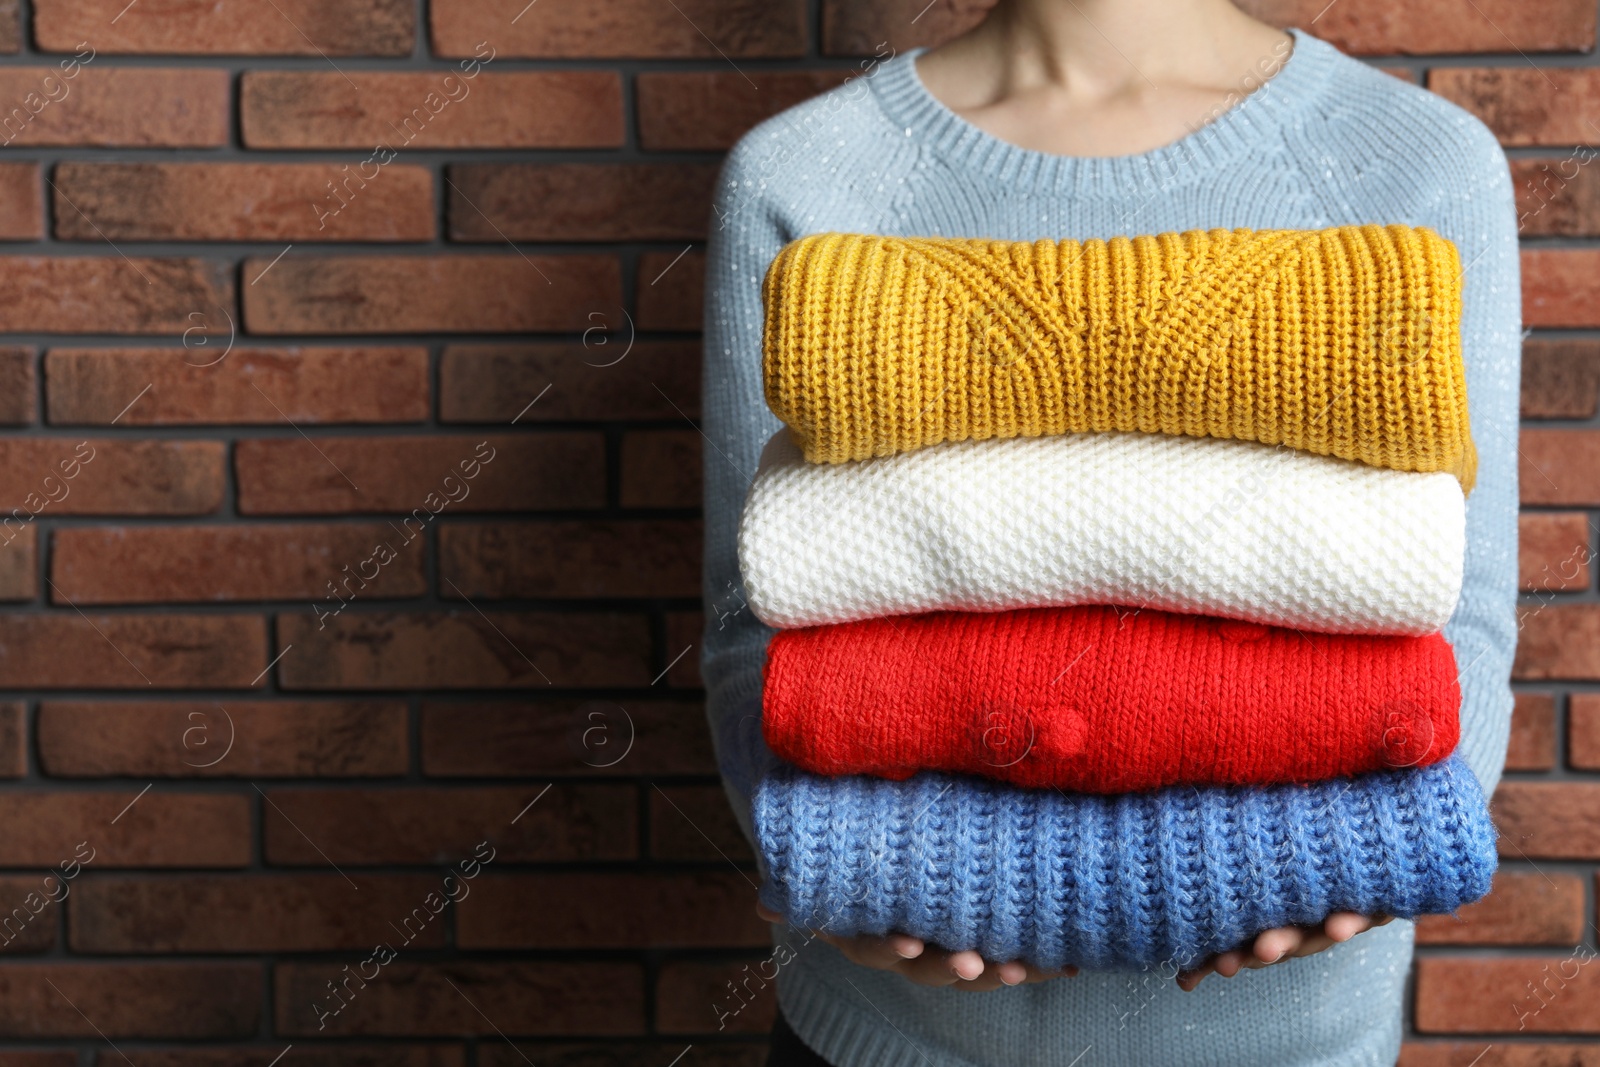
(246, 343)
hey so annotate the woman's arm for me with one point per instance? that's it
(1478, 213)
(745, 236)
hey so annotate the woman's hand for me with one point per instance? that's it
(1283, 943)
(910, 958)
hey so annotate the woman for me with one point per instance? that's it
(1094, 118)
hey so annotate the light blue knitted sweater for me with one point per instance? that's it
(1328, 141)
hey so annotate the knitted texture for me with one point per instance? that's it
(1228, 528)
(1343, 342)
(1103, 701)
(1137, 879)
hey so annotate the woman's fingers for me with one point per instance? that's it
(1189, 981)
(913, 959)
(939, 968)
(1228, 964)
(1343, 925)
(879, 953)
(967, 965)
(1283, 943)
(905, 946)
(1273, 945)
(1010, 974)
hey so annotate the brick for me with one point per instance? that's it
(710, 29)
(407, 475)
(1373, 27)
(19, 567)
(134, 914)
(11, 43)
(241, 738)
(243, 202)
(1523, 105)
(426, 294)
(29, 913)
(90, 294)
(1548, 994)
(604, 378)
(696, 998)
(68, 476)
(412, 1054)
(60, 1058)
(1559, 641)
(13, 739)
(708, 909)
(1485, 1054)
(670, 291)
(1560, 379)
(1559, 467)
(154, 829)
(444, 109)
(580, 558)
(1362, 27)
(129, 107)
(694, 823)
(551, 1054)
(683, 642)
(709, 110)
(661, 469)
(209, 564)
(1559, 287)
(1523, 908)
(465, 649)
(856, 29)
(104, 1001)
(579, 201)
(286, 27)
(1583, 731)
(17, 387)
(554, 823)
(72, 651)
(1548, 820)
(1533, 733)
(21, 209)
(1554, 551)
(458, 998)
(198, 385)
(1556, 198)
(591, 737)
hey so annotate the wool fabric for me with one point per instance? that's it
(1114, 882)
(1228, 528)
(1344, 341)
(1100, 700)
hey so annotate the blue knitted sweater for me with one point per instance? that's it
(1328, 141)
(1133, 880)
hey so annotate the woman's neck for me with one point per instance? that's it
(1102, 77)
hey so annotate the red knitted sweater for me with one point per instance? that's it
(1106, 700)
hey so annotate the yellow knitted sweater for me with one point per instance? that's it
(1343, 342)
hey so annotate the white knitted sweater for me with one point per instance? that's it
(1199, 525)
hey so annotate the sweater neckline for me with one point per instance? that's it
(1226, 139)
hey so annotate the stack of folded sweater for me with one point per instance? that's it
(1109, 580)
